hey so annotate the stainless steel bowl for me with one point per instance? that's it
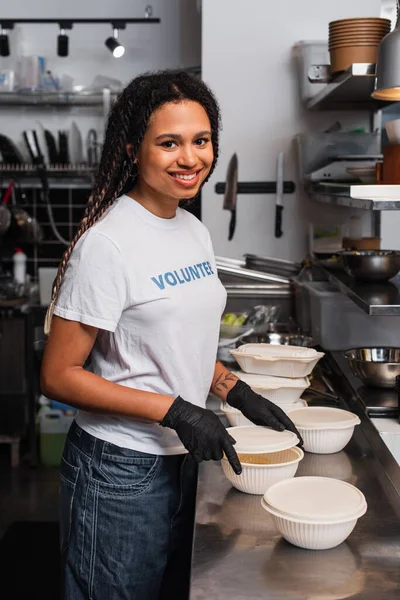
(286, 339)
(376, 367)
(371, 265)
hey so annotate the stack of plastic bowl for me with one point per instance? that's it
(276, 372)
(266, 456)
(354, 41)
(282, 391)
(315, 513)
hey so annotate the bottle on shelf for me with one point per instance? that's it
(19, 266)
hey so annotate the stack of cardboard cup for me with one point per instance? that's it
(354, 41)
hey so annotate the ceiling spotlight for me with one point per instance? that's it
(114, 46)
(4, 43)
(62, 43)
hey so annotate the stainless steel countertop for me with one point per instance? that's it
(238, 553)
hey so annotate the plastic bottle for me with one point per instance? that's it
(19, 260)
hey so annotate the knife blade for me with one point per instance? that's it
(230, 192)
(279, 195)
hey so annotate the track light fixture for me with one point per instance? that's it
(4, 43)
(62, 43)
(112, 43)
(114, 46)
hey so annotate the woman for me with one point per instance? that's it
(137, 305)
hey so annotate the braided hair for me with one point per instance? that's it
(127, 124)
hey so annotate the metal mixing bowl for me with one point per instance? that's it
(287, 339)
(376, 367)
(371, 265)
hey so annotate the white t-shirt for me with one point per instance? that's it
(151, 287)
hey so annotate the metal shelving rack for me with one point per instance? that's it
(60, 98)
(351, 90)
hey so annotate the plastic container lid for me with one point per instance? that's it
(260, 440)
(281, 351)
(316, 499)
(323, 417)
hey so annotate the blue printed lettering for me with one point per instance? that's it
(200, 265)
(159, 282)
(170, 276)
(177, 276)
(194, 272)
(186, 274)
(183, 275)
(206, 268)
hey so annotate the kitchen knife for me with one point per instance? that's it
(279, 195)
(230, 192)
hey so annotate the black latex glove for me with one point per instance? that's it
(259, 410)
(201, 432)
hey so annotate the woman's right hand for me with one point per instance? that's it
(201, 432)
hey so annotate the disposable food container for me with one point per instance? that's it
(267, 456)
(315, 513)
(280, 390)
(278, 361)
(236, 417)
(324, 430)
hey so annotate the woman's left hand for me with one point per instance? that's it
(259, 410)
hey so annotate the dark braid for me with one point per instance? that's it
(127, 124)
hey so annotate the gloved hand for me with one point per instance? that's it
(259, 410)
(201, 432)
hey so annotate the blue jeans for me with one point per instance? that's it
(126, 521)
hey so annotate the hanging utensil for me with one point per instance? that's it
(230, 193)
(279, 195)
(23, 229)
(91, 145)
(5, 214)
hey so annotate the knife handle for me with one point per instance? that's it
(278, 221)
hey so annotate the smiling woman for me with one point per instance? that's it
(137, 304)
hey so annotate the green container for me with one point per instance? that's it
(54, 426)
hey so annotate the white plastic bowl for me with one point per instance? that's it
(324, 430)
(280, 390)
(236, 418)
(278, 361)
(264, 470)
(315, 513)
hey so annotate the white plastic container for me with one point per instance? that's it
(236, 418)
(339, 324)
(280, 390)
(260, 471)
(19, 265)
(324, 430)
(278, 361)
(315, 513)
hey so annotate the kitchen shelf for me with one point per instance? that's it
(54, 98)
(355, 196)
(381, 299)
(351, 90)
(59, 176)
